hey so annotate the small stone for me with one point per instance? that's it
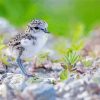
(79, 64)
(40, 92)
(57, 67)
(76, 83)
(60, 98)
(71, 79)
(8, 78)
(3, 90)
(81, 89)
(11, 95)
(67, 96)
(96, 79)
(48, 65)
(81, 96)
(67, 88)
(14, 80)
(60, 87)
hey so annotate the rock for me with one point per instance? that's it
(93, 88)
(96, 62)
(3, 91)
(58, 98)
(14, 80)
(10, 95)
(57, 67)
(39, 92)
(81, 96)
(60, 88)
(48, 65)
(96, 79)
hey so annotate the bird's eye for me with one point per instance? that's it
(36, 28)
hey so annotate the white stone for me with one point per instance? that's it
(3, 90)
(66, 96)
(57, 66)
(84, 94)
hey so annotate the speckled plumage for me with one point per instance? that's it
(15, 42)
(29, 42)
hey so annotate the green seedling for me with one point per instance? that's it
(64, 75)
(71, 58)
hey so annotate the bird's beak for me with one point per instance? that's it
(46, 31)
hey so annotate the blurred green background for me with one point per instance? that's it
(65, 17)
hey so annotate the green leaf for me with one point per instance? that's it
(64, 75)
(71, 58)
(87, 63)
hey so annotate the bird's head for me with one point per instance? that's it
(37, 26)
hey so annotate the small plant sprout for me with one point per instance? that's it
(64, 75)
(87, 62)
(71, 58)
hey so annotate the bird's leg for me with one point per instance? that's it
(21, 65)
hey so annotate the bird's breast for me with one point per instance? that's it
(34, 48)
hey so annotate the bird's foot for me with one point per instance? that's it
(29, 75)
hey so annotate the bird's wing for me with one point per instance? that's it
(15, 40)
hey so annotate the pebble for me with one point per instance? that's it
(57, 67)
(40, 92)
(3, 91)
(84, 94)
(14, 80)
(49, 87)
